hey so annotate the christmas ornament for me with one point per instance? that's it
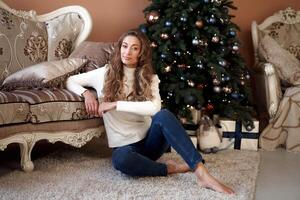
(200, 65)
(215, 39)
(222, 63)
(164, 36)
(235, 47)
(168, 68)
(183, 66)
(242, 82)
(143, 29)
(232, 33)
(195, 41)
(191, 83)
(247, 76)
(168, 23)
(227, 89)
(217, 89)
(237, 96)
(199, 23)
(170, 94)
(209, 107)
(216, 81)
(212, 19)
(183, 18)
(177, 53)
(163, 55)
(153, 45)
(152, 17)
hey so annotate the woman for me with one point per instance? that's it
(130, 106)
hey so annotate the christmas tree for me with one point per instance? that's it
(196, 56)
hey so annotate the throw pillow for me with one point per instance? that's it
(63, 32)
(98, 53)
(286, 65)
(49, 74)
(23, 42)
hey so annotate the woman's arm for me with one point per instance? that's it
(143, 107)
(77, 84)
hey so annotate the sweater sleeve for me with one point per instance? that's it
(94, 79)
(143, 107)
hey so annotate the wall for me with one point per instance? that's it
(112, 17)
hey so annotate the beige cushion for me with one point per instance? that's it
(23, 42)
(286, 35)
(13, 109)
(98, 53)
(48, 105)
(45, 74)
(286, 65)
(62, 34)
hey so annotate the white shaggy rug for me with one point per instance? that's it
(86, 174)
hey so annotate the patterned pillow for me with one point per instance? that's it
(49, 74)
(62, 34)
(98, 53)
(287, 65)
(286, 35)
(23, 42)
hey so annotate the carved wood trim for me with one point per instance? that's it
(27, 140)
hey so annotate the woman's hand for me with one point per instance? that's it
(91, 103)
(106, 106)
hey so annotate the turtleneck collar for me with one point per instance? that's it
(128, 71)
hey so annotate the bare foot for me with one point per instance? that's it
(174, 167)
(208, 181)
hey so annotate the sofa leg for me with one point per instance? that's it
(26, 163)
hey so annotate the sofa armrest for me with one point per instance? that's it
(273, 89)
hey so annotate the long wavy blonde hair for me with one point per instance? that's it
(113, 87)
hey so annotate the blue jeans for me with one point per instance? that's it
(139, 159)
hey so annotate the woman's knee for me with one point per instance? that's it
(120, 157)
(162, 114)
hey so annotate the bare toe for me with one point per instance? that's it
(204, 179)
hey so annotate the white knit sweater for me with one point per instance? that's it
(131, 120)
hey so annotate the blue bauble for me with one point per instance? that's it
(232, 33)
(235, 95)
(143, 29)
(168, 23)
(163, 55)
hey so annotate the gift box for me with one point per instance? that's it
(236, 136)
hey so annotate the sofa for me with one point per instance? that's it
(37, 54)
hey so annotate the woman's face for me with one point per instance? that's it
(130, 51)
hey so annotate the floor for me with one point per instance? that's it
(278, 178)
